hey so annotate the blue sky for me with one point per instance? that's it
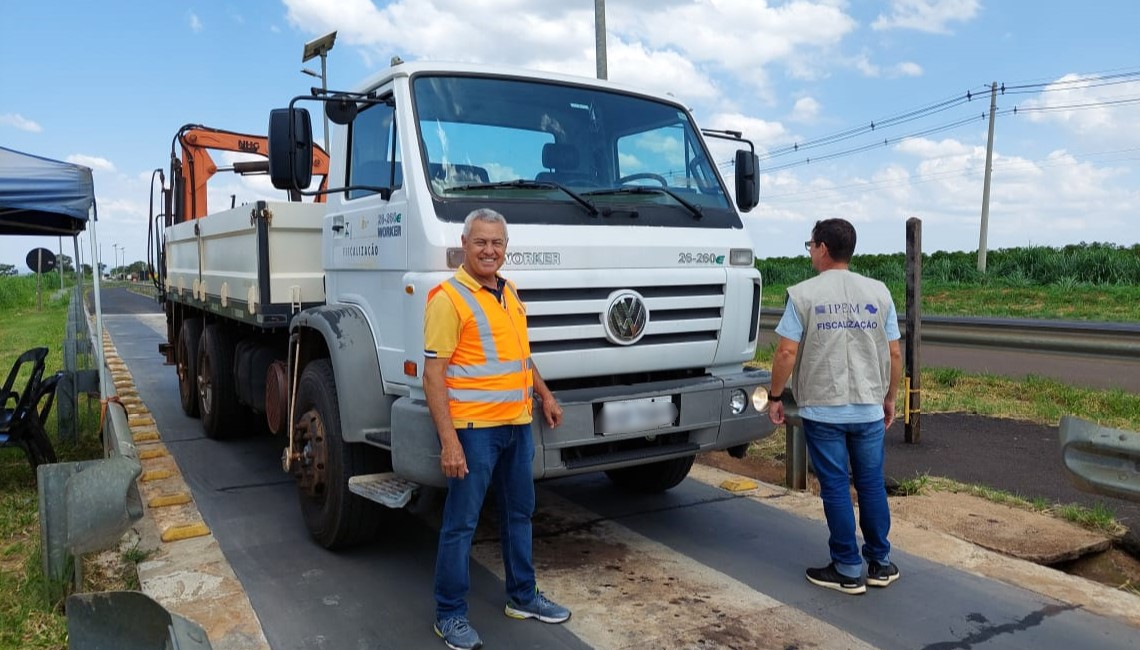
(107, 84)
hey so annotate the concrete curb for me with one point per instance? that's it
(186, 571)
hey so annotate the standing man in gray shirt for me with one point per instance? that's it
(839, 344)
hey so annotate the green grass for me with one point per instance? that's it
(1032, 282)
(27, 620)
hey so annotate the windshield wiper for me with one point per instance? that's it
(521, 183)
(693, 209)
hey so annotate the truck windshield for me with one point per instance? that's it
(545, 152)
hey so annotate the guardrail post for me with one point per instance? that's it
(795, 445)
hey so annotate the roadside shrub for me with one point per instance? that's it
(1072, 266)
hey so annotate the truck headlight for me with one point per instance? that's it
(740, 257)
(737, 401)
(760, 399)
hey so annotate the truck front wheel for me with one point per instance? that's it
(335, 517)
(186, 361)
(653, 477)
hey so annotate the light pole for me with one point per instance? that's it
(320, 47)
(115, 256)
(600, 38)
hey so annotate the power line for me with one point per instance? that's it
(940, 128)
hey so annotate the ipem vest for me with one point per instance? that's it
(488, 377)
(844, 356)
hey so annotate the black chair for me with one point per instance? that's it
(561, 162)
(23, 413)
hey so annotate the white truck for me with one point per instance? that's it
(307, 317)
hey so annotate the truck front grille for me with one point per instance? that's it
(570, 319)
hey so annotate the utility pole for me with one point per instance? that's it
(986, 187)
(600, 37)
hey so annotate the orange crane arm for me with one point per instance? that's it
(198, 167)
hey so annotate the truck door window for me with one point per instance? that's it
(374, 157)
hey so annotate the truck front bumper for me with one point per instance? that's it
(704, 421)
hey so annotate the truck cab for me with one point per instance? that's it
(625, 244)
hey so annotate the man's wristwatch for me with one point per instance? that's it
(772, 397)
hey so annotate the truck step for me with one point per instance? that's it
(386, 489)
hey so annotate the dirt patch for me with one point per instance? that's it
(1018, 533)
(1005, 529)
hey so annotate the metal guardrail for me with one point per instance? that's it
(1101, 460)
(88, 506)
(128, 620)
(1114, 340)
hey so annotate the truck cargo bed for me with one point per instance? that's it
(258, 263)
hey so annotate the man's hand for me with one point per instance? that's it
(888, 413)
(552, 412)
(453, 461)
(776, 412)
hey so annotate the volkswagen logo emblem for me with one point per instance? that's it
(626, 317)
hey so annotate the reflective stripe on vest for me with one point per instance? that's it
(481, 384)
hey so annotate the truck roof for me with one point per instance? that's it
(407, 69)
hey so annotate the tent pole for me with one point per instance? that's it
(97, 275)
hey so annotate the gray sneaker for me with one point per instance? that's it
(457, 633)
(541, 607)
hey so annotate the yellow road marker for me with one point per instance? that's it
(147, 454)
(166, 500)
(739, 485)
(155, 475)
(184, 531)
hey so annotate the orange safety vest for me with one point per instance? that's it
(489, 374)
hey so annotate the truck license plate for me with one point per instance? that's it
(641, 414)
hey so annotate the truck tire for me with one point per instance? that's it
(186, 361)
(217, 399)
(653, 477)
(335, 517)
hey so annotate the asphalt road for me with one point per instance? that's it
(379, 596)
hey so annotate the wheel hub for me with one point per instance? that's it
(311, 462)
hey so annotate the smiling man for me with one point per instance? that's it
(480, 382)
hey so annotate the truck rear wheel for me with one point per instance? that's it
(335, 517)
(217, 398)
(186, 361)
(653, 477)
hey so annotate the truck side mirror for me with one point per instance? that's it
(747, 180)
(290, 148)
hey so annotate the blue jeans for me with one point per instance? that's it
(500, 457)
(831, 447)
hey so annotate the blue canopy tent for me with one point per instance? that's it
(40, 196)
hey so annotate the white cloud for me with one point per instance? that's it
(1099, 114)
(926, 15)
(20, 122)
(925, 148)
(806, 109)
(762, 132)
(94, 162)
(908, 69)
(195, 23)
